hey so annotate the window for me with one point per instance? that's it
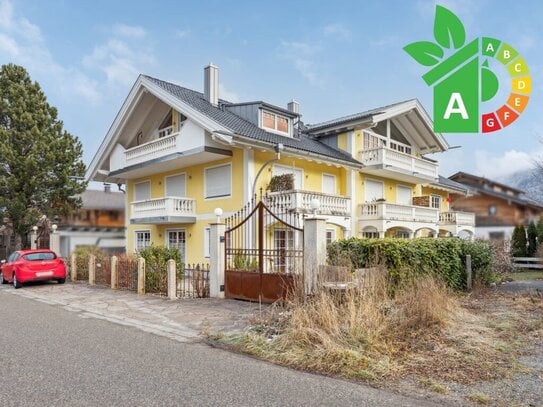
(492, 210)
(370, 235)
(176, 186)
(496, 235)
(40, 256)
(176, 239)
(402, 234)
(373, 190)
(218, 181)
(297, 172)
(143, 239)
(207, 241)
(283, 241)
(329, 184)
(142, 191)
(330, 236)
(435, 201)
(275, 122)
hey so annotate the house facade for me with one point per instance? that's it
(498, 208)
(182, 153)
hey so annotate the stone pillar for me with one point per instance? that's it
(172, 279)
(141, 275)
(34, 239)
(73, 267)
(216, 260)
(92, 269)
(54, 242)
(314, 251)
(114, 273)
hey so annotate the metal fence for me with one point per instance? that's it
(127, 273)
(193, 282)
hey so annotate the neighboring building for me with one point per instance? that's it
(100, 222)
(498, 208)
(182, 154)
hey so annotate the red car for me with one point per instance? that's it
(32, 265)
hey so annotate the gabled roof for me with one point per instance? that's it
(452, 185)
(95, 199)
(240, 127)
(474, 180)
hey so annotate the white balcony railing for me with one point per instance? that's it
(301, 201)
(402, 161)
(386, 211)
(458, 218)
(163, 208)
(151, 150)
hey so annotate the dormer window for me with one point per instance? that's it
(275, 122)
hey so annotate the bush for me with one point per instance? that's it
(156, 259)
(518, 242)
(539, 228)
(82, 254)
(532, 240)
(444, 258)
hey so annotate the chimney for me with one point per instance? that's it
(293, 106)
(211, 84)
(107, 188)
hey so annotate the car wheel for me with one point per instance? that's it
(16, 283)
(61, 280)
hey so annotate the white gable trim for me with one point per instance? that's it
(141, 85)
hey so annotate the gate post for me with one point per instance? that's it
(172, 279)
(141, 275)
(114, 273)
(73, 267)
(92, 269)
(314, 251)
(54, 241)
(216, 259)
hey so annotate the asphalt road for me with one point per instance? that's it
(52, 357)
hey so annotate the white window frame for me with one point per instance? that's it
(289, 121)
(439, 199)
(370, 235)
(175, 175)
(332, 236)
(136, 246)
(139, 183)
(167, 241)
(205, 182)
(292, 169)
(323, 176)
(373, 180)
(207, 242)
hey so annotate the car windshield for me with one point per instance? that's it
(40, 256)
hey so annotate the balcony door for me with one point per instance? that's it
(373, 190)
(176, 186)
(176, 239)
(404, 195)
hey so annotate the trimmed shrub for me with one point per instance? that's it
(518, 242)
(156, 259)
(532, 240)
(539, 228)
(444, 258)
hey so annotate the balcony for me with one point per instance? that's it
(457, 218)
(300, 201)
(394, 212)
(385, 161)
(163, 211)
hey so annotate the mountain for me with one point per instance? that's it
(530, 181)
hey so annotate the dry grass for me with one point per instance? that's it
(423, 331)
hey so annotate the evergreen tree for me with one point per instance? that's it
(41, 170)
(532, 240)
(540, 230)
(518, 242)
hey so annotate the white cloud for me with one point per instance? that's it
(228, 95)
(511, 161)
(387, 41)
(182, 33)
(337, 30)
(21, 42)
(129, 31)
(301, 55)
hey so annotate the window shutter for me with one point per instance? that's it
(142, 191)
(175, 186)
(218, 181)
(329, 184)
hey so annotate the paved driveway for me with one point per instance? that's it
(183, 320)
(522, 286)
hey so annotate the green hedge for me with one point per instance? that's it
(403, 258)
(156, 260)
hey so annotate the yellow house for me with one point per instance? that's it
(182, 153)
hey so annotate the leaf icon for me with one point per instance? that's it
(424, 52)
(448, 29)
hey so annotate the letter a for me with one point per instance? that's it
(490, 48)
(456, 100)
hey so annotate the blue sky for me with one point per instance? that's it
(335, 58)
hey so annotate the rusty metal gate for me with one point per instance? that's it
(263, 252)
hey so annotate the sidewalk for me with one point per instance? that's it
(184, 320)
